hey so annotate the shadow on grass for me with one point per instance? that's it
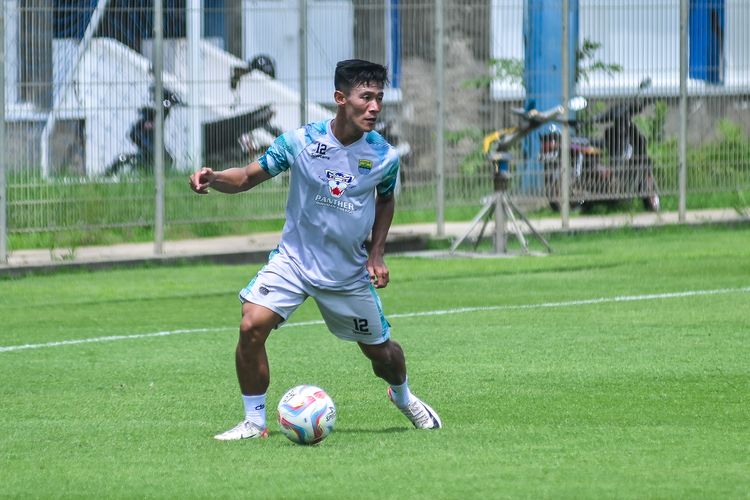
(389, 430)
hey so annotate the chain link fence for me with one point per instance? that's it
(80, 156)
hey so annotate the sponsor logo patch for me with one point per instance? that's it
(344, 206)
(338, 182)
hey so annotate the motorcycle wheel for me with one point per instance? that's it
(652, 203)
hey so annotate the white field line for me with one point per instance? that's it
(439, 312)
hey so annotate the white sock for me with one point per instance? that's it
(255, 409)
(401, 394)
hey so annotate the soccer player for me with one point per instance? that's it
(343, 176)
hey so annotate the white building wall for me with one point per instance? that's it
(644, 39)
(271, 27)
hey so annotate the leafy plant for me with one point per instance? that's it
(506, 69)
(510, 70)
(653, 126)
(719, 165)
(587, 64)
(475, 161)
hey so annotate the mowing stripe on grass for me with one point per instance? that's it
(439, 312)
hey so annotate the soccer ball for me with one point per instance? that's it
(306, 414)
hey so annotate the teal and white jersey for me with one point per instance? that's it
(331, 205)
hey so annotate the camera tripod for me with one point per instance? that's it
(504, 210)
(499, 203)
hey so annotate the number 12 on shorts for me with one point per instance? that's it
(361, 326)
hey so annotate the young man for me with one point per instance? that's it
(342, 185)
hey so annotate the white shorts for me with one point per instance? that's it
(354, 314)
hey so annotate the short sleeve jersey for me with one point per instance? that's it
(331, 205)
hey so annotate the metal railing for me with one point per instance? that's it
(88, 85)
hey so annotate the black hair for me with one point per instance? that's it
(354, 72)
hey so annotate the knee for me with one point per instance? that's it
(252, 333)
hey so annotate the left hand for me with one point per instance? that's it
(378, 272)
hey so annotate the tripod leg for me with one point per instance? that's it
(531, 227)
(487, 207)
(516, 229)
(487, 218)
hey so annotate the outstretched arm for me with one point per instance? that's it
(231, 180)
(384, 208)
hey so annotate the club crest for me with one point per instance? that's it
(364, 166)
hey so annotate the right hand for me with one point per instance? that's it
(201, 180)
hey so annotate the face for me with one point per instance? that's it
(362, 106)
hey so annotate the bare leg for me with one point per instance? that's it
(388, 361)
(251, 360)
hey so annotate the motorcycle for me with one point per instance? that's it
(141, 133)
(238, 137)
(227, 139)
(610, 168)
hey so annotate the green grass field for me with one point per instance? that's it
(618, 367)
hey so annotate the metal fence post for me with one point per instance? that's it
(3, 187)
(682, 175)
(303, 62)
(158, 66)
(440, 125)
(195, 93)
(565, 137)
